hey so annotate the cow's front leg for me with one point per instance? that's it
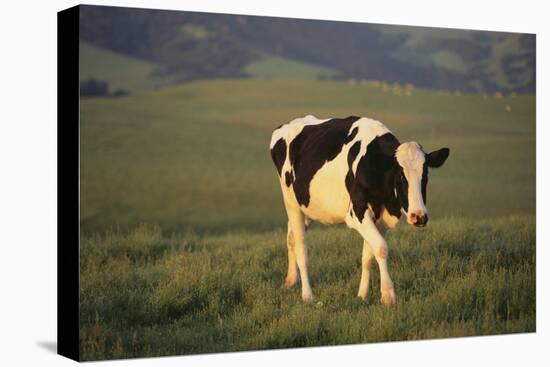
(370, 233)
(386, 285)
(388, 291)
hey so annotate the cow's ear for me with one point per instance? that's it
(436, 158)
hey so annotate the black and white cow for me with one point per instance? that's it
(354, 171)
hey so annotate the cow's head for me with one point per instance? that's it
(411, 179)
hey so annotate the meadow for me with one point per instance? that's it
(183, 229)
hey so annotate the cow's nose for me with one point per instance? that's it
(419, 219)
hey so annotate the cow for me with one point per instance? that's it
(349, 170)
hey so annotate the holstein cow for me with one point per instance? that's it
(354, 171)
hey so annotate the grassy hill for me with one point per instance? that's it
(183, 228)
(137, 75)
(167, 155)
(508, 58)
(120, 71)
(271, 67)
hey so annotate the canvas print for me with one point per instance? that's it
(251, 183)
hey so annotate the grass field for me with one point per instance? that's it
(183, 229)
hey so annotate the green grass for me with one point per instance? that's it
(143, 294)
(273, 67)
(183, 229)
(120, 71)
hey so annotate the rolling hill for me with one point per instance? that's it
(135, 76)
(122, 72)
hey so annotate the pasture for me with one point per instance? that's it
(183, 228)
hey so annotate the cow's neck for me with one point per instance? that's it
(391, 202)
(385, 196)
(380, 161)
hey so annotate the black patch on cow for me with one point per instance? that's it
(352, 154)
(373, 183)
(351, 135)
(353, 151)
(278, 154)
(424, 183)
(313, 147)
(401, 187)
(289, 179)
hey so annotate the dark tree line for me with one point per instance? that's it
(99, 88)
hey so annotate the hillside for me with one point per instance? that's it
(272, 67)
(121, 71)
(135, 76)
(190, 46)
(166, 156)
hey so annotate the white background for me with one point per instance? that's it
(28, 182)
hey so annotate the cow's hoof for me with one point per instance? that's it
(307, 297)
(290, 282)
(388, 297)
(363, 295)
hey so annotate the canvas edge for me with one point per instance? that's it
(68, 176)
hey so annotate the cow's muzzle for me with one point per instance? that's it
(418, 219)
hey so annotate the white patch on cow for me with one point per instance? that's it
(411, 158)
(278, 134)
(329, 198)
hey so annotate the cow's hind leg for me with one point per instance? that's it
(297, 225)
(292, 274)
(365, 270)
